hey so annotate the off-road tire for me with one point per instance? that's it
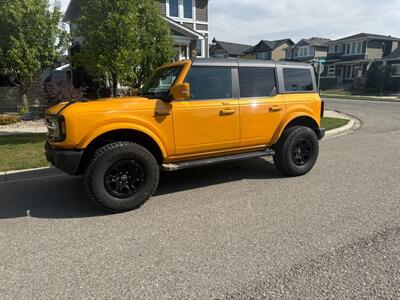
(283, 157)
(103, 159)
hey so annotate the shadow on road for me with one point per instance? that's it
(59, 196)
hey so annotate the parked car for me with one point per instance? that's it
(189, 114)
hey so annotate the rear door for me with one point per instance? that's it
(261, 108)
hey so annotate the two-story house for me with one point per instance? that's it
(270, 50)
(306, 50)
(188, 20)
(349, 58)
(220, 49)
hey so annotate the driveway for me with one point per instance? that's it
(236, 230)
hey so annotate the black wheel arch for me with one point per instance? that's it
(305, 121)
(128, 135)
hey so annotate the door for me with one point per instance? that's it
(209, 121)
(261, 109)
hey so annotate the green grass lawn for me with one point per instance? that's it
(22, 151)
(357, 95)
(332, 123)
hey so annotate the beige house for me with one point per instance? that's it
(270, 50)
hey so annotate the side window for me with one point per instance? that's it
(297, 80)
(256, 82)
(210, 83)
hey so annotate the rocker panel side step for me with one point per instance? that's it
(215, 160)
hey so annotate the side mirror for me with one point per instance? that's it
(180, 91)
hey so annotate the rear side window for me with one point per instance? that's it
(256, 82)
(210, 83)
(297, 80)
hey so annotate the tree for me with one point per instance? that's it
(155, 42)
(378, 76)
(119, 36)
(31, 39)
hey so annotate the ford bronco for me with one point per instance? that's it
(188, 114)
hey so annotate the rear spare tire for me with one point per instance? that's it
(121, 176)
(297, 151)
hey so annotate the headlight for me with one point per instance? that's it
(55, 128)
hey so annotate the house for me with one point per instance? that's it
(270, 50)
(391, 73)
(307, 50)
(221, 49)
(187, 19)
(349, 58)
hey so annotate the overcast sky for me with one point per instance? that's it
(248, 21)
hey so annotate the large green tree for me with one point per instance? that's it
(31, 39)
(123, 40)
(155, 42)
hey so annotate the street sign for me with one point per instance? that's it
(319, 68)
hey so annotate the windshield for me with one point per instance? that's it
(160, 82)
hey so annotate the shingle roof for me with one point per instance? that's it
(271, 44)
(314, 41)
(368, 36)
(394, 55)
(233, 48)
(317, 41)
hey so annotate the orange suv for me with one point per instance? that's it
(188, 114)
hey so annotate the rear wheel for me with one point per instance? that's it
(121, 176)
(297, 151)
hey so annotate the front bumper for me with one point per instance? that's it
(66, 160)
(320, 133)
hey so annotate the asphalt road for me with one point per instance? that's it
(237, 230)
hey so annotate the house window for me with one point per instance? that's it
(289, 54)
(187, 9)
(199, 48)
(304, 51)
(331, 71)
(296, 52)
(348, 72)
(261, 55)
(353, 48)
(335, 48)
(174, 8)
(395, 70)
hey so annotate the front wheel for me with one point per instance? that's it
(121, 176)
(297, 151)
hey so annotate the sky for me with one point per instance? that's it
(249, 21)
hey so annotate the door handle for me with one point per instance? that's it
(225, 112)
(275, 108)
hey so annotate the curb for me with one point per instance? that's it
(29, 174)
(350, 126)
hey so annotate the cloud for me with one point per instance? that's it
(248, 21)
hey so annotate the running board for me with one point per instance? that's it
(215, 160)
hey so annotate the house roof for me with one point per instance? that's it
(369, 36)
(72, 11)
(183, 29)
(270, 44)
(394, 55)
(314, 41)
(232, 48)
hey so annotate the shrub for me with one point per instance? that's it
(58, 91)
(9, 119)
